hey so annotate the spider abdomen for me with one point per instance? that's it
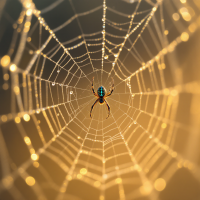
(101, 92)
(101, 100)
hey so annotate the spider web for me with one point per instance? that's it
(50, 148)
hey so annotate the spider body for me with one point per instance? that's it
(101, 96)
(101, 92)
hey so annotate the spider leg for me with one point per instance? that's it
(111, 91)
(95, 94)
(93, 107)
(108, 108)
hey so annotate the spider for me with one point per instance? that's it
(101, 95)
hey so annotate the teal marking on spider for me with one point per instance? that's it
(101, 91)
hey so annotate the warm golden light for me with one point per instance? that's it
(164, 125)
(29, 12)
(160, 184)
(192, 28)
(185, 37)
(28, 39)
(166, 32)
(79, 176)
(32, 151)
(36, 164)
(69, 177)
(97, 183)
(146, 189)
(4, 118)
(118, 180)
(27, 24)
(13, 67)
(154, 9)
(34, 157)
(17, 120)
(83, 171)
(183, 1)
(176, 16)
(5, 61)
(26, 117)
(101, 198)
(30, 181)
(16, 90)
(27, 140)
(185, 14)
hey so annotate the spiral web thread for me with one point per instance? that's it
(134, 151)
